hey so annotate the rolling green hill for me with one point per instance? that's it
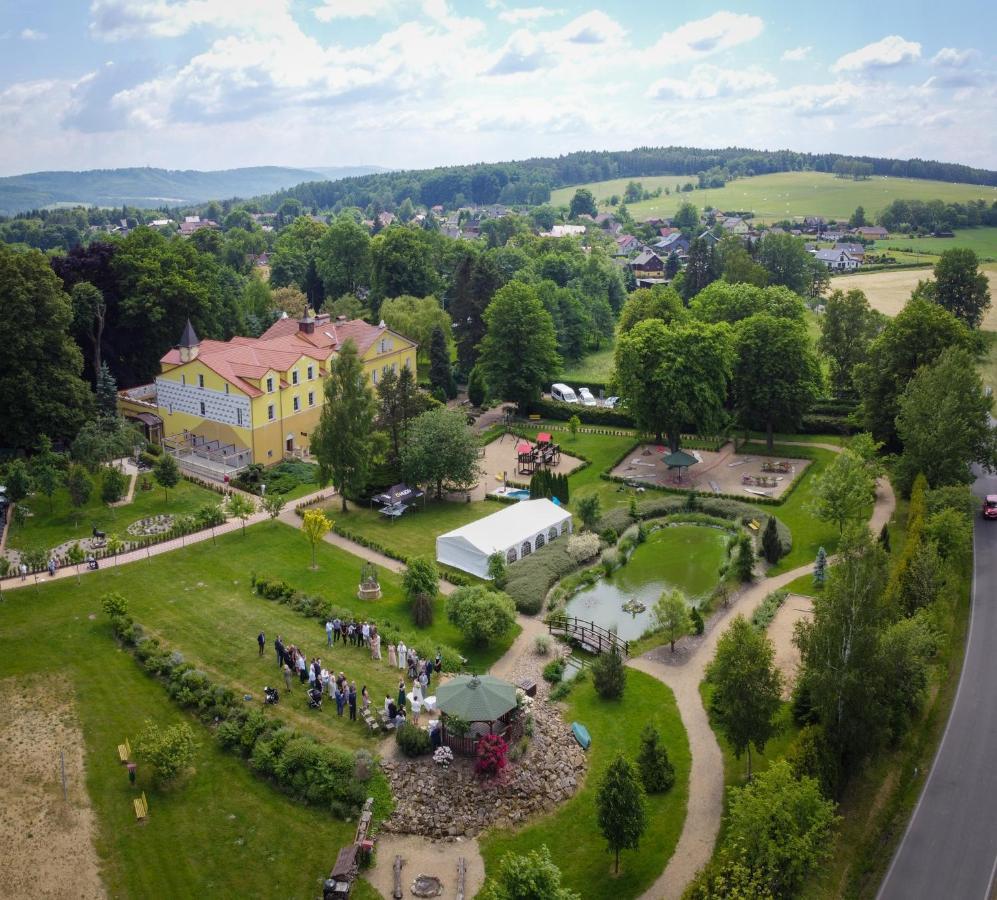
(152, 188)
(785, 194)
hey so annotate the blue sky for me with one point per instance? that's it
(413, 83)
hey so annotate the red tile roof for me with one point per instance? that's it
(278, 349)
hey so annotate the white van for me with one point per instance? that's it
(563, 393)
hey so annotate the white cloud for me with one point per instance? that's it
(352, 9)
(892, 50)
(950, 58)
(707, 82)
(593, 27)
(119, 20)
(832, 99)
(527, 14)
(797, 54)
(29, 34)
(702, 37)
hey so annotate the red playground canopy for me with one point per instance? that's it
(543, 438)
(524, 447)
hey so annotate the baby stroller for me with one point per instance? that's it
(314, 698)
(270, 696)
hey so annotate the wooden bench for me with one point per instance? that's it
(370, 722)
(754, 525)
(141, 807)
(125, 751)
(534, 417)
(528, 687)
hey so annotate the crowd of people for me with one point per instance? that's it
(322, 682)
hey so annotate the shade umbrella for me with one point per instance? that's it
(524, 447)
(476, 698)
(543, 437)
(679, 460)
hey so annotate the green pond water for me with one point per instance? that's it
(686, 557)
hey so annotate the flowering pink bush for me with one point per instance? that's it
(492, 749)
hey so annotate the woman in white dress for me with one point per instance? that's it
(402, 655)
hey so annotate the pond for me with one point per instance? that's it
(686, 557)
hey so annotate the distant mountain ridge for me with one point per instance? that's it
(151, 188)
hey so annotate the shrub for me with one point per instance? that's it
(168, 750)
(771, 545)
(480, 614)
(583, 547)
(113, 484)
(492, 750)
(541, 644)
(560, 690)
(610, 561)
(744, 561)
(588, 509)
(412, 740)
(609, 675)
(656, 770)
(696, 617)
(762, 617)
(497, 571)
(553, 672)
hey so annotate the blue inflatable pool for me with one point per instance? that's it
(581, 735)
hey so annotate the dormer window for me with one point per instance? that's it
(294, 376)
(200, 381)
(311, 372)
(270, 385)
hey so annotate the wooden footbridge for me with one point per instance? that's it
(590, 636)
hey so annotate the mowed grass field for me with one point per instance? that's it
(983, 241)
(889, 291)
(784, 194)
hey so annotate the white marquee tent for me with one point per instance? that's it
(515, 531)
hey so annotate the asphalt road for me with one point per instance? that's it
(950, 847)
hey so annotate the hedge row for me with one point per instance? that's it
(590, 415)
(300, 766)
(317, 607)
(827, 424)
(762, 617)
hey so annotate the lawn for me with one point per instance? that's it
(415, 533)
(784, 194)
(221, 832)
(44, 530)
(199, 601)
(596, 367)
(572, 833)
(981, 240)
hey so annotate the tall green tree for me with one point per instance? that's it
(417, 318)
(843, 491)
(671, 615)
(622, 808)
(660, 302)
(402, 263)
(847, 328)
(675, 378)
(960, 286)
(582, 203)
(398, 403)
(700, 268)
(441, 450)
(79, 485)
(839, 650)
(106, 392)
(341, 442)
(421, 582)
(343, 258)
(944, 423)
(45, 469)
(475, 281)
(786, 260)
(17, 481)
(41, 390)
(440, 375)
(167, 474)
(776, 377)
(747, 688)
(89, 318)
(736, 264)
(519, 352)
(915, 337)
(783, 826)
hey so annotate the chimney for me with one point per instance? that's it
(306, 324)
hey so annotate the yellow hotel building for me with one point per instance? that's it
(220, 405)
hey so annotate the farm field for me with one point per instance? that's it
(981, 240)
(785, 194)
(889, 291)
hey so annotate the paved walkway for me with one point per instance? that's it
(706, 777)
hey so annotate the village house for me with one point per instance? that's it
(734, 225)
(627, 244)
(871, 232)
(856, 250)
(221, 405)
(837, 260)
(190, 224)
(675, 242)
(648, 268)
(564, 231)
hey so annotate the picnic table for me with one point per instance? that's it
(395, 511)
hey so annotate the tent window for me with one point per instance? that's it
(526, 549)
(564, 526)
(540, 541)
(552, 534)
(511, 557)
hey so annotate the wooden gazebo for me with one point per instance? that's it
(486, 703)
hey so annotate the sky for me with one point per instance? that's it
(212, 84)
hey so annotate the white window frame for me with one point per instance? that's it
(296, 402)
(271, 412)
(270, 385)
(294, 376)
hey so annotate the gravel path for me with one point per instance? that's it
(706, 777)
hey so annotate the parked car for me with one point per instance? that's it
(990, 507)
(563, 393)
(586, 398)
(611, 402)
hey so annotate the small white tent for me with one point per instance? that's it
(515, 531)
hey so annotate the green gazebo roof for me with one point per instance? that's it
(679, 458)
(476, 698)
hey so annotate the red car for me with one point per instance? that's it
(990, 507)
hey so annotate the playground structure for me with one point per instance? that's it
(545, 454)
